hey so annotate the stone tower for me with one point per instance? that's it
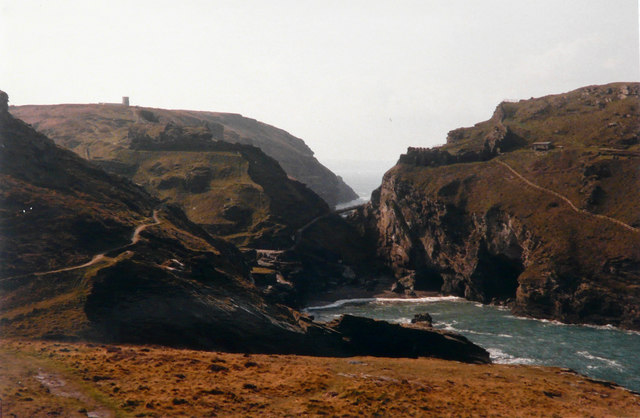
(125, 100)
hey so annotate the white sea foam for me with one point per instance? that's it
(490, 334)
(609, 327)
(564, 324)
(340, 303)
(362, 301)
(500, 357)
(448, 326)
(607, 361)
(545, 321)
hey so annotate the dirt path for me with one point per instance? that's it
(32, 386)
(57, 385)
(567, 201)
(136, 234)
(98, 257)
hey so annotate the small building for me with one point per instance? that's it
(125, 100)
(542, 146)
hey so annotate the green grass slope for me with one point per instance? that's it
(97, 131)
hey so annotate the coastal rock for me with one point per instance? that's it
(422, 318)
(365, 336)
(552, 233)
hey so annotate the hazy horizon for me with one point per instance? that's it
(355, 80)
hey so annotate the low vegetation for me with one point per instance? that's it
(73, 379)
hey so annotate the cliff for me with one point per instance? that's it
(553, 234)
(90, 255)
(101, 131)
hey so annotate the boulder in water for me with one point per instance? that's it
(422, 318)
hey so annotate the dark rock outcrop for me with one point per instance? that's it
(364, 336)
(4, 103)
(422, 318)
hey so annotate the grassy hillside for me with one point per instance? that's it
(554, 233)
(232, 190)
(99, 132)
(87, 254)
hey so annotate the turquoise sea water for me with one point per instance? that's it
(598, 352)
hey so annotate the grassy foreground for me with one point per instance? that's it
(40, 378)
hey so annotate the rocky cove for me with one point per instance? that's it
(600, 352)
(495, 228)
(156, 277)
(231, 247)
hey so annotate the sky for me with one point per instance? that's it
(356, 80)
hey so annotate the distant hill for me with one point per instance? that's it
(232, 189)
(100, 131)
(538, 207)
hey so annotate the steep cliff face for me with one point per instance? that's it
(555, 233)
(89, 255)
(100, 132)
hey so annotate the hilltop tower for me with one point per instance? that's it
(125, 101)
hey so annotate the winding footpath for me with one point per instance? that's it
(98, 257)
(567, 201)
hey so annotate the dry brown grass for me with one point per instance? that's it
(156, 381)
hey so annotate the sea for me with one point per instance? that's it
(363, 176)
(599, 352)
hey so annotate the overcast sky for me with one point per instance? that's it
(354, 79)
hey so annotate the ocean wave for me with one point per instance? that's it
(607, 327)
(490, 334)
(544, 321)
(341, 302)
(447, 326)
(607, 361)
(500, 357)
(363, 301)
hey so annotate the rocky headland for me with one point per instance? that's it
(551, 229)
(89, 255)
